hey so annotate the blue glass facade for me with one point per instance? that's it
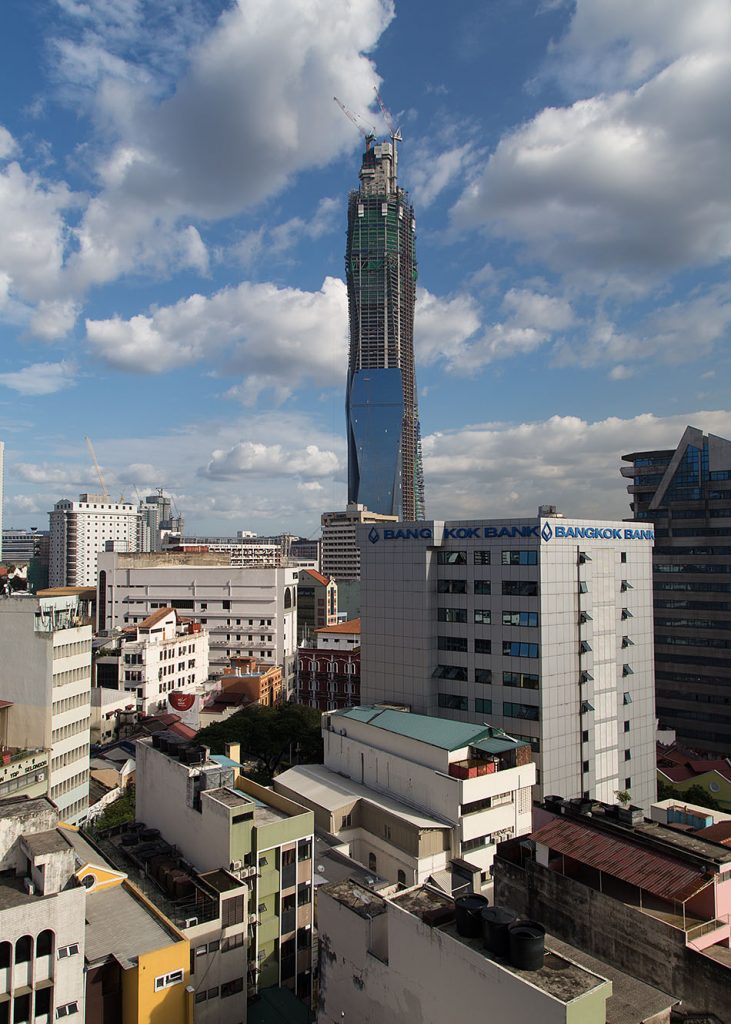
(375, 411)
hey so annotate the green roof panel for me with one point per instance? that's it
(438, 732)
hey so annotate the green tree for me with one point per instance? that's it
(692, 795)
(269, 735)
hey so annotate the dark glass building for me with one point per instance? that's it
(686, 493)
(384, 447)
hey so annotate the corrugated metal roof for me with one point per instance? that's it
(349, 626)
(438, 732)
(659, 873)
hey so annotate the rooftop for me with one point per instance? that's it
(328, 789)
(119, 924)
(349, 626)
(438, 732)
(85, 593)
(315, 575)
(42, 843)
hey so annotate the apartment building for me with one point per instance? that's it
(317, 602)
(410, 794)
(328, 673)
(218, 819)
(81, 529)
(541, 626)
(162, 654)
(249, 613)
(45, 644)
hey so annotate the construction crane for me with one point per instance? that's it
(367, 131)
(395, 133)
(90, 446)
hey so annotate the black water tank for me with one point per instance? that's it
(129, 838)
(495, 922)
(148, 834)
(527, 945)
(467, 914)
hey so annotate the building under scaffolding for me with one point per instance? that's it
(384, 446)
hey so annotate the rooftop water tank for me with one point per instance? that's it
(467, 914)
(527, 945)
(495, 922)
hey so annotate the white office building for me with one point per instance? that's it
(81, 529)
(542, 626)
(45, 652)
(340, 552)
(408, 794)
(247, 612)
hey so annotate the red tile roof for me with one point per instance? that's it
(154, 618)
(318, 576)
(659, 873)
(351, 626)
(718, 833)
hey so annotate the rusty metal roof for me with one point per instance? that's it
(656, 872)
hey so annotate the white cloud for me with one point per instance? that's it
(630, 184)
(53, 319)
(563, 461)
(40, 378)
(273, 335)
(7, 143)
(621, 372)
(247, 457)
(140, 474)
(431, 173)
(47, 473)
(443, 325)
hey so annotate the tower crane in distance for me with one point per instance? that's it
(90, 446)
(367, 131)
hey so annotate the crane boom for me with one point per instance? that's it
(90, 446)
(367, 132)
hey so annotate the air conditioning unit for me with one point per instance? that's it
(235, 865)
(41, 777)
(190, 922)
(28, 886)
(253, 919)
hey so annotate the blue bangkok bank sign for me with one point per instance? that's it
(560, 531)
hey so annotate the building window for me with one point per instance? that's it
(627, 670)
(626, 726)
(520, 557)
(482, 616)
(232, 911)
(483, 706)
(584, 647)
(483, 675)
(623, 556)
(517, 649)
(585, 767)
(482, 557)
(347, 821)
(452, 614)
(527, 711)
(482, 587)
(230, 988)
(520, 618)
(520, 588)
(483, 646)
(451, 557)
(583, 587)
(23, 949)
(168, 980)
(585, 736)
(628, 755)
(628, 783)
(65, 1010)
(456, 672)
(452, 643)
(372, 863)
(524, 680)
(401, 877)
(452, 701)
(44, 943)
(586, 707)
(451, 586)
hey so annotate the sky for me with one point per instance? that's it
(173, 189)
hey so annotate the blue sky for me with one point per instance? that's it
(173, 185)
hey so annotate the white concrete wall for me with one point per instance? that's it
(430, 977)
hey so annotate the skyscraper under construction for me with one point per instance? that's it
(384, 446)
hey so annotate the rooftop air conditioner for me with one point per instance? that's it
(235, 865)
(253, 919)
(190, 922)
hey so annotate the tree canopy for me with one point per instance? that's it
(267, 734)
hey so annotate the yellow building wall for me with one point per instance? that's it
(142, 1004)
(722, 795)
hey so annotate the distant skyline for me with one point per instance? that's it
(173, 192)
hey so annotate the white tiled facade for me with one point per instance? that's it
(79, 531)
(516, 600)
(46, 672)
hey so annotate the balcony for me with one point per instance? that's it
(471, 768)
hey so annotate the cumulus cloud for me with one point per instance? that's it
(499, 469)
(40, 378)
(7, 143)
(256, 458)
(47, 473)
(271, 334)
(452, 329)
(631, 183)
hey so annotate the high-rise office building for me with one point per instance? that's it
(80, 530)
(542, 627)
(686, 493)
(384, 448)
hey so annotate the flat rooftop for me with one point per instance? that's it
(437, 732)
(119, 924)
(42, 843)
(229, 797)
(221, 880)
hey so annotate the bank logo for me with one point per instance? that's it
(373, 535)
(546, 532)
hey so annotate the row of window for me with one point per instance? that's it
(67, 785)
(483, 617)
(457, 702)
(69, 650)
(72, 675)
(510, 648)
(68, 703)
(69, 757)
(64, 731)
(519, 557)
